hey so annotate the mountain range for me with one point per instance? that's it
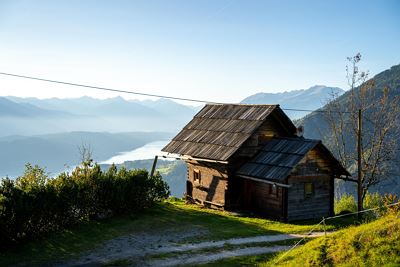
(9, 108)
(48, 131)
(303, 99)
(33, 116)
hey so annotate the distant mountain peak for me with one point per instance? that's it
(318, 86)
(310, 99)
(11, 108)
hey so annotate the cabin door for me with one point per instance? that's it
(189, 188)
(263, 198)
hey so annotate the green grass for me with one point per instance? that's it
(239, 261)
(373, 244)
(123, 262)
(170, 214)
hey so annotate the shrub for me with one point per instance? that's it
(372, 201)
(35, 204)
(390, 201)
(346, 204)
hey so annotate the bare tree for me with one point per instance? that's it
(85, 152)
(378, 133)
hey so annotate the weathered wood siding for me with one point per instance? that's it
(261, 198)
(256, 196)
(301, 207)
(314, 168)
(210, 190)
(313, 163)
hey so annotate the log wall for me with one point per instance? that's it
(210, 189)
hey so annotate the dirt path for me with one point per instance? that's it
(141, 249)
(208, 257)
(134, 246)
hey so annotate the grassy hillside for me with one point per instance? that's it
(373, 244)
(172, 215)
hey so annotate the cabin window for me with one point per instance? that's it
(308, 190)
(196, 175)
(273, 190)
(262, 138)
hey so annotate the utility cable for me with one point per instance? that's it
(139, 93)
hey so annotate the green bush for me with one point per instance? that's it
(372, 201)
(35, 204)
(345, 204)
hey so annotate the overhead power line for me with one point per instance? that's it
(108, 89)
(138, 93)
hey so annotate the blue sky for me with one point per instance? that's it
(220, 50)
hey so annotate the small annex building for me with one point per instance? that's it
(250, 157)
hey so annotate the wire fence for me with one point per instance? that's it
(330, 218)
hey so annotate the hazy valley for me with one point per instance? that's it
(49, 132)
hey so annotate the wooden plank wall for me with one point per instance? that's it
(314, 168)
(316, 206)
(210, 191)
(259, 198)
(314, 162)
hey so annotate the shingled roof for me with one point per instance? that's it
(279, 156)
(218, 130)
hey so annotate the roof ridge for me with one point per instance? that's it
(216, 131)
(298, 138)
(240, 104)
(200, 142)
(223, 118)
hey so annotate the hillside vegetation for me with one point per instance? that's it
(372, 244)
(35, 205)
(316, 125)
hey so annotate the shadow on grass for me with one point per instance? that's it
(336, 223)
(172, 214)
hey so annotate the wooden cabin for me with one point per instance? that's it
(249, 157)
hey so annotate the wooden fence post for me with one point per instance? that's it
(154, 166)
